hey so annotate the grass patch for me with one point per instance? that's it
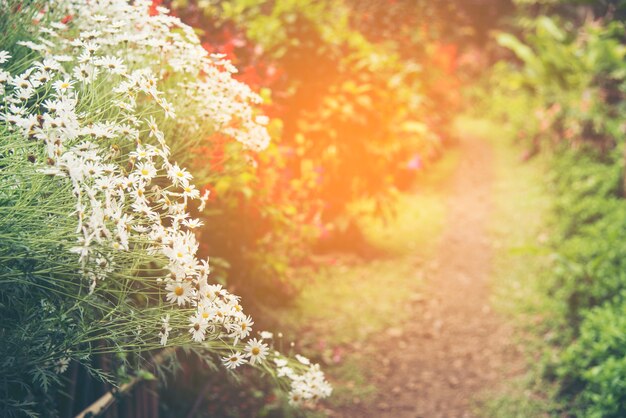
(515, 404)
(419, 215)
(347, 303)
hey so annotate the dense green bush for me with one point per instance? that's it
(589, 226)
(593, 368)
(569, 73)
(588, 281)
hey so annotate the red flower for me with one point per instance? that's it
(446, 57)
(152, 11)
(250, 76)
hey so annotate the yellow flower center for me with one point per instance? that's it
(179, 291)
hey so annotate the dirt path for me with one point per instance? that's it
(456, 347)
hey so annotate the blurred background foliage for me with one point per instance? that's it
(362, 95)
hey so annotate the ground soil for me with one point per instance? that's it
(456, 348)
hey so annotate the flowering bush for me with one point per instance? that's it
(101, 101)
(351, 110)
(349, 125)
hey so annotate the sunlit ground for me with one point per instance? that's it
(521, 207)
(349, 302)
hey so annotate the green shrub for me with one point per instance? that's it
(569, 75)
(593, 367)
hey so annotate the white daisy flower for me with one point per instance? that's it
(179, 175)
(63, 86)
(256, 350)
(302, 359)
(164, 333)
(234, 360)
(198, 326)
(4, 56)
(179, 292)
(146, 171)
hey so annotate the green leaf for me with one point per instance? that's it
(521, 50)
